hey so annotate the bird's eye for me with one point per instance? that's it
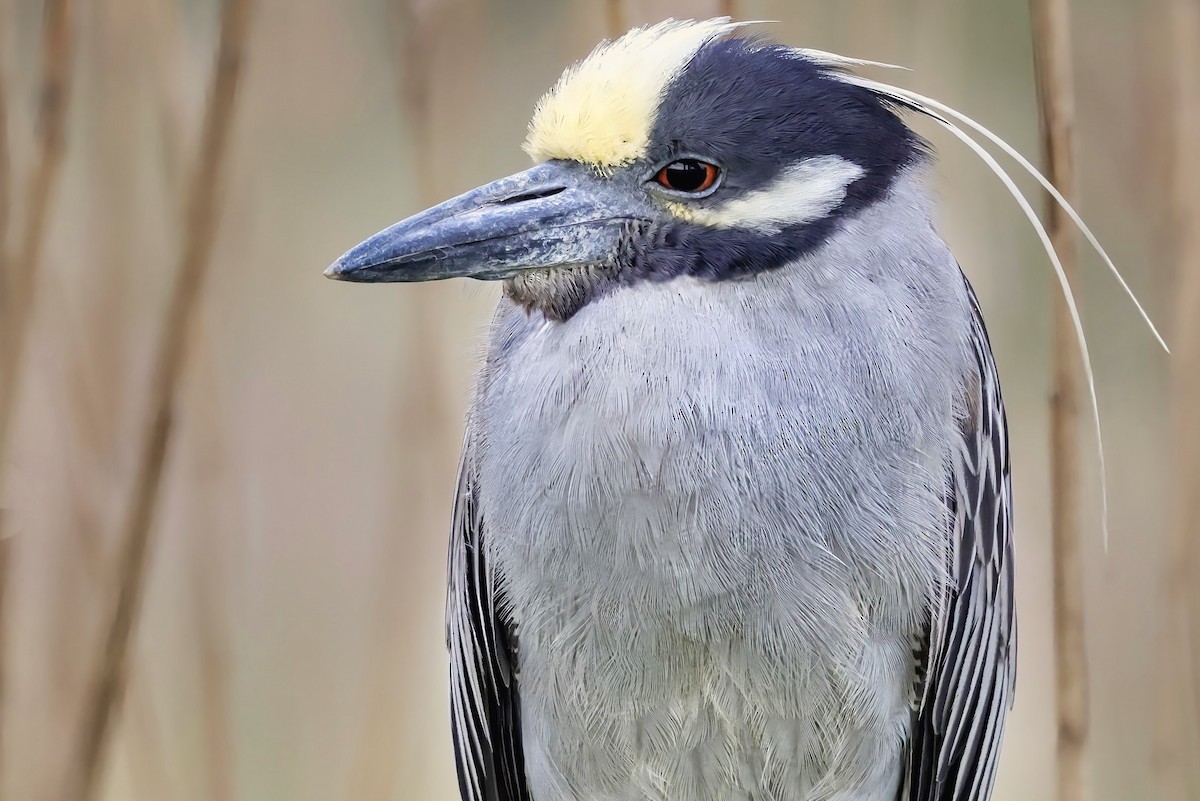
(688, 175)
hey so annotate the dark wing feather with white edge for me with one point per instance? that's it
(484, 706)
(967, 654)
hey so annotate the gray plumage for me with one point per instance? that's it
(733, 515)
(721, 525)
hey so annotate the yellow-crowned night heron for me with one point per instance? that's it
(733, 518)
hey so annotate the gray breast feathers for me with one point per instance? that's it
(700, 525)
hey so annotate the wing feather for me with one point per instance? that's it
(484, 703)
(969, 646)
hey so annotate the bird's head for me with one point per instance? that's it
(678, 149)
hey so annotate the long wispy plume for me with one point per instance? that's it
(107, 688)
(1070, 344)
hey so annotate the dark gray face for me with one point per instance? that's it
(778, 132)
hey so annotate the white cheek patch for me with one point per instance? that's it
(804, 192)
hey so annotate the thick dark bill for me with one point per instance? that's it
(555, 214)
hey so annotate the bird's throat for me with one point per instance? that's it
(558, 292)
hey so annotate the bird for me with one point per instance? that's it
(733, 517)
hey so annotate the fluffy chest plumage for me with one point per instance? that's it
(715, 514)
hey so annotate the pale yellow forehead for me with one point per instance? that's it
(602, 109)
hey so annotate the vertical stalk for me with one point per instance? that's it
(200, 223)
(1052, 61)
(19, 270)
(614, 17)
(417, 27)
(206, 515)
(621, 15)
(209, 539)
(17, 281)
(5, 540)
(1179, 664)
(5, 175)
(5, 572)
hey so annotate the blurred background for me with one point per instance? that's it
(289, 641)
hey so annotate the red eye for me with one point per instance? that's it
(688, 175)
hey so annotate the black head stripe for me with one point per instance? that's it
(756, 108)
(675, 248)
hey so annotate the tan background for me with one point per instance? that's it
(291, 643)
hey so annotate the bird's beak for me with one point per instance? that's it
(555, 214)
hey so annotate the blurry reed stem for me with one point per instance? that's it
(5, 541)
(1179, 680)
(5, 178)
(416, 27)
(169, 358)
(5, 568)
(19, 269)
(207, 534)
(614, 17)
(1052, 62)
(212, 636)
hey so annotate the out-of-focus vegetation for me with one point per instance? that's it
(289, 642)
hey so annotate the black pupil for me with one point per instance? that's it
(686, 175)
